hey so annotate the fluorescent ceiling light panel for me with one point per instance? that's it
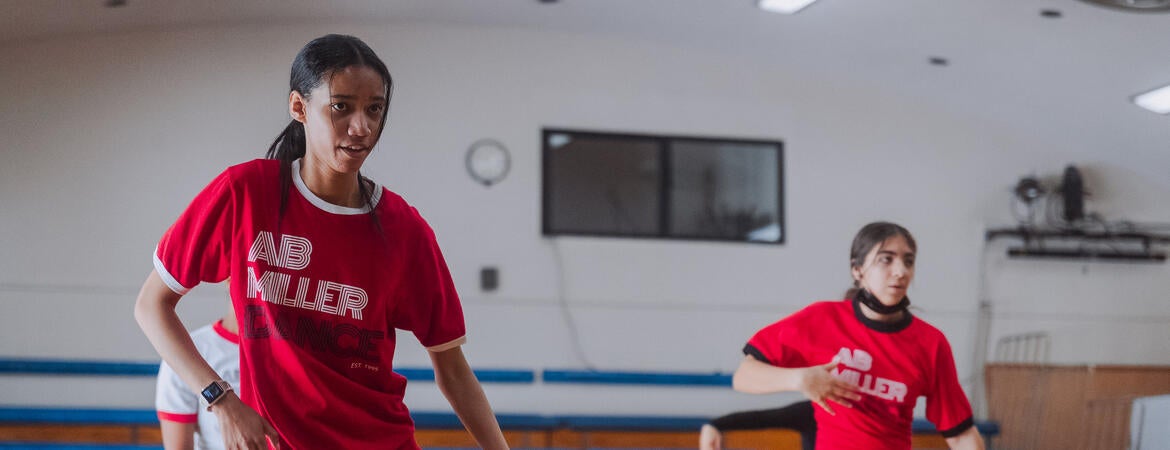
(783, 6)
(1157, 100)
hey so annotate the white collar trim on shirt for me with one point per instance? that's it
(326, 206)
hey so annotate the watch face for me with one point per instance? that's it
(212, 392)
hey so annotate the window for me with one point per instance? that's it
(605, 184)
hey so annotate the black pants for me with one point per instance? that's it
(797, 416)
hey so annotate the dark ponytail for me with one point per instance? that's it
(314, 64)
(288, 147)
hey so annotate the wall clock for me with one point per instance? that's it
(488, 161)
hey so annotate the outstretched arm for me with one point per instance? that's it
(756, 377)
(462, 389)
(816, 382)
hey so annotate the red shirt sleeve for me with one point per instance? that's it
(429, 306)
(197, 248)
(777, 344)
(946, 403)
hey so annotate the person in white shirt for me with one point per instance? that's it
(185, 422)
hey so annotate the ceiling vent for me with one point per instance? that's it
(1137, 6)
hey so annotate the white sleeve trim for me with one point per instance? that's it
(450, 345)
(166, 276)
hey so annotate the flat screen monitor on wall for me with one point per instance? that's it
(664, 187)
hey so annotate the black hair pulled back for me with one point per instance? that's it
(870, 236)
(315, 64)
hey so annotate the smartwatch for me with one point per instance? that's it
(215, 392)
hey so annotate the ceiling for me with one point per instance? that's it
(1065, 81)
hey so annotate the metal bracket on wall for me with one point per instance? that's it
(1074, 244)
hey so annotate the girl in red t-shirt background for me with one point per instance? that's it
(865, 360)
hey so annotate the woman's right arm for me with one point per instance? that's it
(154, 310)
(816, 382)
(756, 377)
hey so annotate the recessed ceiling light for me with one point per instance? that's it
(1137, 6)
(1157, 100)
(938, 61)
(783, 6)
(1051, 13)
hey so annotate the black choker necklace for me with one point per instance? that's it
(877, 306)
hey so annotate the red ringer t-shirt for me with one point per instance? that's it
(318, 294)
(893, 363)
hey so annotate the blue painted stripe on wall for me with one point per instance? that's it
(79, 416)
(506, 376)
(507, 421)
(484, 375)
(424, 420)
(56, 446)
(634, 423)
(986, 428)
(66, 367)
(149, 417)
(416, 373)
(113, 368)
(641, 378)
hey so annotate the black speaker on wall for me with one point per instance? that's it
(1072, 189)
(489, 278)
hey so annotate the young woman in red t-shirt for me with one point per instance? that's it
(325, 265)
(865, 360)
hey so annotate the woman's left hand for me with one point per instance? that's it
(819, 385)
